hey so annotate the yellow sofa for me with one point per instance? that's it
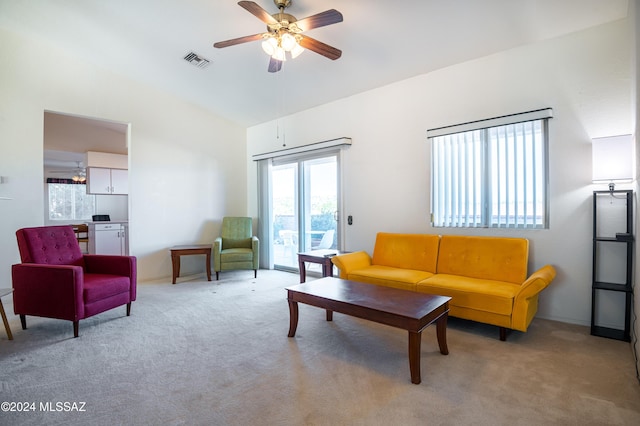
(486, 277)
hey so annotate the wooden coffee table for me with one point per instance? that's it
(323, 257)
(177, 251)
(403, 309)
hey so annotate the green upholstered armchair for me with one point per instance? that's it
(237, 247)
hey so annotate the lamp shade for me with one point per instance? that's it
(288, 42)
(613, 159)
(296, 51)
(279, 54)
(270, 45)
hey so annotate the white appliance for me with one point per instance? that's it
(108, 238)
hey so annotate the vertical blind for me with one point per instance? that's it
(494, 176)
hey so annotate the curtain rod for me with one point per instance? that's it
(491, 122)
(303, 148)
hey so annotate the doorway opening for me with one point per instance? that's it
(67, 139)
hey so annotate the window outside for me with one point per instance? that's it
(492, 177)
(70, 202)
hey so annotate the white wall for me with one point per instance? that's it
(186, 165)
(584, 77)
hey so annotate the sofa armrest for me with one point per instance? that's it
(255, 247)
(53, 291)
(109, 264)
(217, 248)
(349, 262)
(525, 303)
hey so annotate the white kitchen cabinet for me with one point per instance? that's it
(108, 238)
(107, 181)
(119, 181)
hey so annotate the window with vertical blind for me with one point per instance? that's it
(491, 173)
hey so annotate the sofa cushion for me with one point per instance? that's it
(391, 277)
(489, 258)
(102, 286)
(407, 251)
(236, 255)
(231, 243)
(475, 293)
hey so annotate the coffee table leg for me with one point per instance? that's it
(325, 267)
(175, 263)
(441, 331)
(208, 266)
(293, 318)
(415, 338)
(329, 315)
(303, 271)
(329, 267)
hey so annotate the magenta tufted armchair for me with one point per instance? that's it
(55, 280)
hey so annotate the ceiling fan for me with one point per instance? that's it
(284, 33)
(79, 173)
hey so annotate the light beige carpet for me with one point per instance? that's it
(217, 353)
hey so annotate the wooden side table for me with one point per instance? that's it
(4, 292)
(177, 251)
(323, 257)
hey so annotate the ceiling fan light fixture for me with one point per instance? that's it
(270, 45)
(296, 51)
(279, 54)
(284, 33)
(288, 42)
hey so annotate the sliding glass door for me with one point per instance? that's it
(284, 202)
(304, 205)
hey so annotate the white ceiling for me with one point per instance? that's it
(382, 42)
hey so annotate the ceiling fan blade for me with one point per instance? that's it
(275, 65)
(238, 40)
(258, 12)
(322, 19)
(320, 47)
